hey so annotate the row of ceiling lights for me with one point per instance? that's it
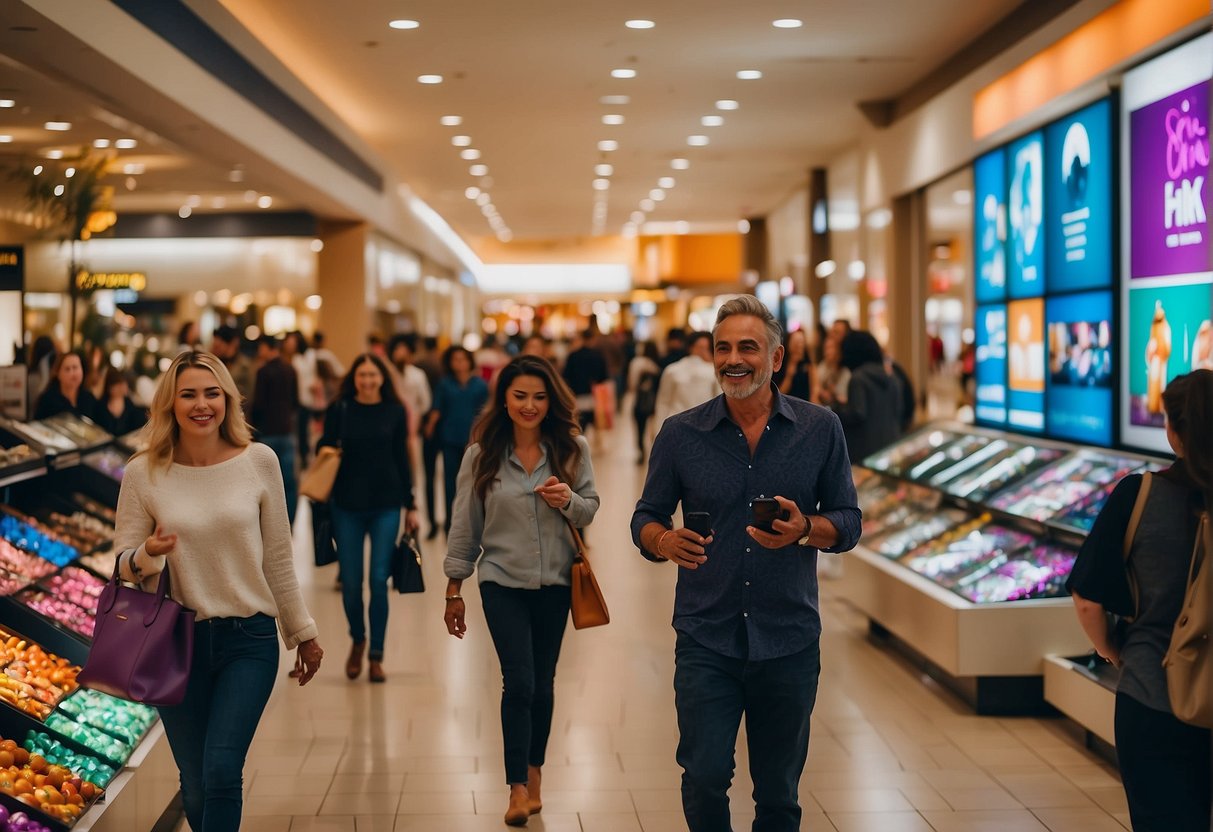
(478, 193)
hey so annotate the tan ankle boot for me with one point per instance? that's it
(519, 809)
(353, 664)
(534, 780)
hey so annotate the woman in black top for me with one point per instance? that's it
(797, 375)
(1164, 763)
(370, 425)
(65, 391)
(116, 412)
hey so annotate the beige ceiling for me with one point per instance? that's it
(527, 76)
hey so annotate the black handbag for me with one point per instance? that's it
(324, 546)
(406, 565)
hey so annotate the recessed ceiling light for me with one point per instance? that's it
(743, 226)
(250, 196)
(194, 201)
(697, 141)
(604, 170)
(657, 194)
(54, 154)
(5, 139)
(58, 126)
(665, 182)
(461, 141)
(264, 202)
(184, 212)
(451, 121)
(429, 79)
(483, 199)
(236, 174)
(471, 154)
(623, 73)
(37, 170)
(727, 104)
(749, 74)
(133, 169)
(479, 170)
(125, 144)
(712, 121)
(615, 99)
(640, 24)
(680, 164)
(608, 145)
(405, 24)
(647, 205)
(682, 227)
(787, 23)
(5, 103)
(218, 202)
(472, 192)
(601, 184)
(612, 118)
(637, 217)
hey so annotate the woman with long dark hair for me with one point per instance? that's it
(1164, 763)
(65, 392)
(457, 401)
(527, 470)
(374, 482)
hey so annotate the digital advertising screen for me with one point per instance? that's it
(1025, 212)
(991, 365)
(1026, 365)
(1079, 379)
(1078, 200)
(1167, 254)
(990, 225)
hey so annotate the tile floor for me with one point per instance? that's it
(890, 752)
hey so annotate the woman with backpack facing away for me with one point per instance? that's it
(1164, 762)
(643, 377)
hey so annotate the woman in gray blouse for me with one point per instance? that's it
(527, 471)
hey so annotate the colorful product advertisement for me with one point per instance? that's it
(1078, 192)
(1079, 381)
(1025, 201)
(990, 225)
(1170, 334)
(1026, 365)
(991, 369)
(1169, 195)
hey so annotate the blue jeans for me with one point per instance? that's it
(711, 692)
(284, 448)
(350, 530)
(232, 675)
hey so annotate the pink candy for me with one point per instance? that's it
(77, 586)
(64, 612)
(23, 563)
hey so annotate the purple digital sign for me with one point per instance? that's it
(1169, 143)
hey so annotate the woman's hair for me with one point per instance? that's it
(449, 353)
(787, 345)
(387, 390)
(859, 348)
(494, 430)
(114, 376)
(60, 360)
(44, 345)
(162, 431)
(1188, 402)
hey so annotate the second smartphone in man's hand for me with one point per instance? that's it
(699, 522)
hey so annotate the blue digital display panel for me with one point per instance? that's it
(990, 225)
(1025, 214)
(991, 365)
(1079, 378)
(1078, 200)
(1026, 365)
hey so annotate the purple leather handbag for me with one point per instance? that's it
(142, 645)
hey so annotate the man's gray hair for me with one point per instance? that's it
(750, 305)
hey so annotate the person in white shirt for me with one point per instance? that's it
(689, 381)
(415, 387)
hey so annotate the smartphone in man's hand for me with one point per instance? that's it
(699, 522)
(764, 511)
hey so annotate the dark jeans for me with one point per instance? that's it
(284, 447)
(430, 448)
(642, 422)
(1164, 765)
(350, 530)
(527, 626)
(303, 431)
(711, 692)
(231, 677)
(452, 457)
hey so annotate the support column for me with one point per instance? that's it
(819, 236)
(907, 287)
(346, 315)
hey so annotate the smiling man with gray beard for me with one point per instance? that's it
(746, 606)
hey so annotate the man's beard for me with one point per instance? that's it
(740, 388)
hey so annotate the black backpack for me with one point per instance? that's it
(646, 394)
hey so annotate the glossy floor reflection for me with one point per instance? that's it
(422, 753)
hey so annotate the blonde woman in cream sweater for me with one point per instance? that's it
(207, 500)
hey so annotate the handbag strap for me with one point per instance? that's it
(1143, 495)
(578, 542)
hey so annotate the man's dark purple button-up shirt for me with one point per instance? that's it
(747, 601)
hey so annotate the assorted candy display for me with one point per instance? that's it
(16, 455)
(20, 822)
(46, 436)
(22, 563)
(85, 531)
(96, 740)
(109, 462)
(81, 431)
(1064, 484)
(77, 586)
(29, 535)
(73, 617)
(1039, 573)
(127, 721)
(95, 508)
(33, 680)
(40, 743)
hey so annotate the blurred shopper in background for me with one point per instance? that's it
(675, 347)
(117, 413)
(832, 377)
(273, 413)
(584, 368)
(527, 471)
(375, 480)
(797, 377)
(418, 398)
(1164, 763)
(430, 363)
(689, 381)
(225, 344)
(189, 336)
(457, 402)
(297, 353)
(65, 392)
(871, 416)
(41, 360)
(643, 373)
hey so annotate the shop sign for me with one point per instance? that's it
(93, 281)
(12, 268)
